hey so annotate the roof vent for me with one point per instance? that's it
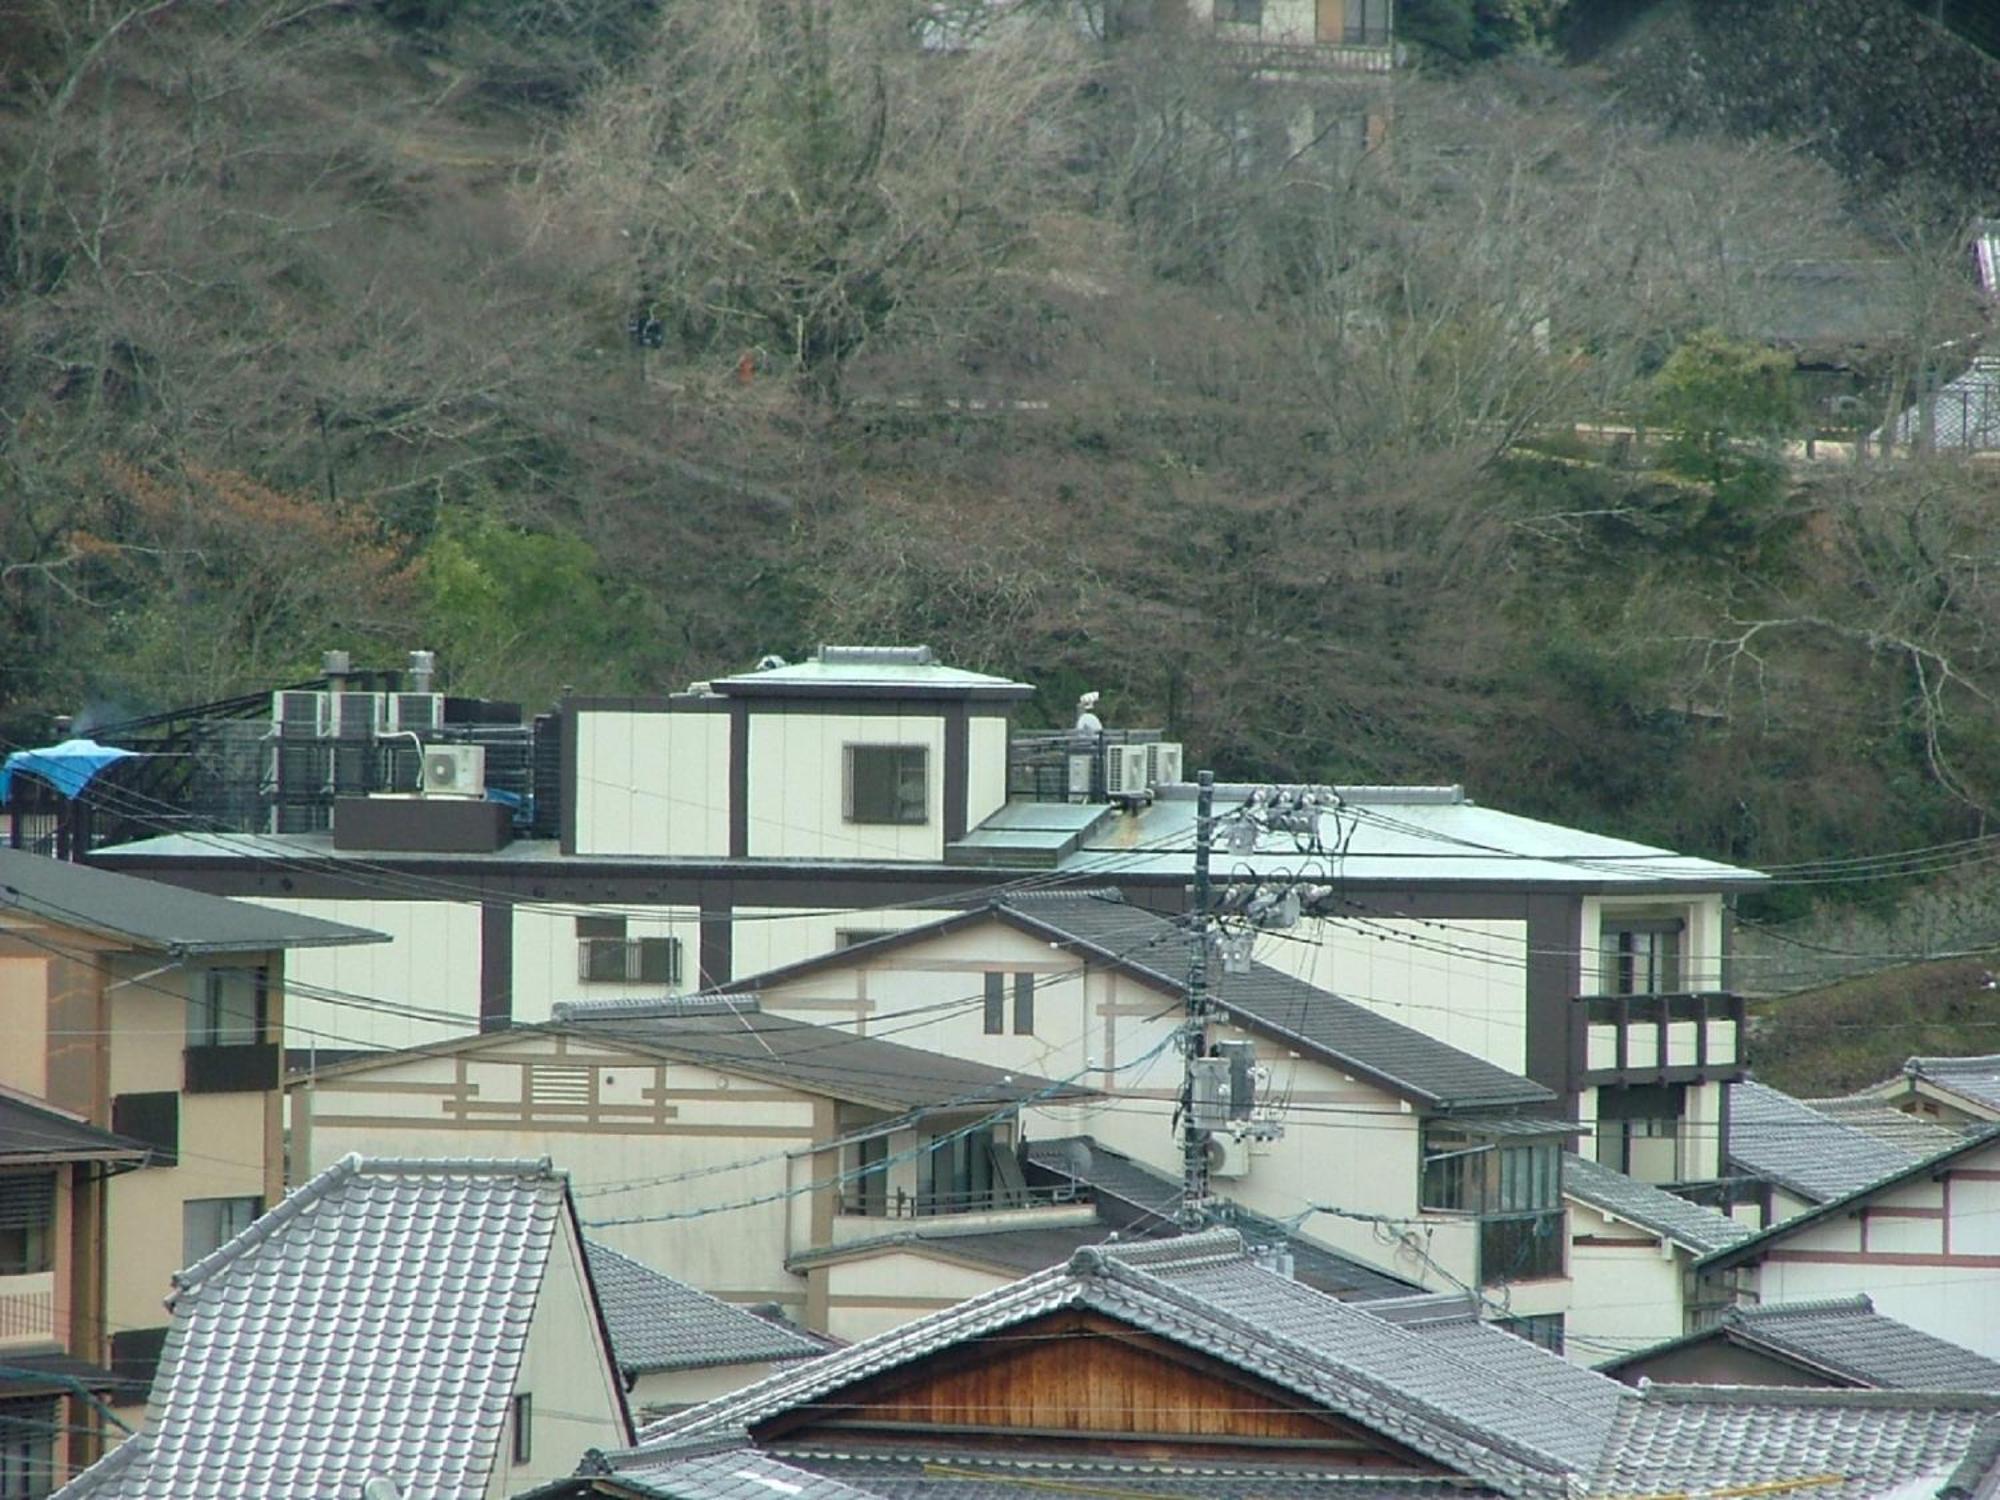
(876, 656)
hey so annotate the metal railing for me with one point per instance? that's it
(903, 1204)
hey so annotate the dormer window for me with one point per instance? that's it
(888, 784)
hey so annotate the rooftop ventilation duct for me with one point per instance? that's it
(876, 656)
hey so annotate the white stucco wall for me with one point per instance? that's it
(1626, 1288)
(652, 783)
(431, 962)
(769, 937)
(876, 1292)
(567, 1373)
(1462, 981)
(797, 786)
(545, 957)
(985, 768)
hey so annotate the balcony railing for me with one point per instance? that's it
(1678, 1038)
(901, 1204)
(1349, 56)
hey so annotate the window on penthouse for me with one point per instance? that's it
(887, 784)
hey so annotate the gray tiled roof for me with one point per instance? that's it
(1847, 1338)
(1205, 1293)
(1975, 1078)
(159, 917)
(735, 1035)
(1136, 1199)
(1690, 1225)
(31, 1131)
(658, 1323)
(1889, 1125)
(1451, 1320)
(1313, 1020)
(1784, 1140)
(370, 1325)
(729, 1470)
(931, 1475)
(1844, 1445)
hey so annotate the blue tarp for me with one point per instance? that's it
(68, 767)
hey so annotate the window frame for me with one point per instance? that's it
(36, 1229)
(521, 1438)
(996, 1003)
(1024, 1002)
(206, 1009)
(1620, 955)
(1487, 1177)
(252, 1206)
(608, 953)
(899, 813)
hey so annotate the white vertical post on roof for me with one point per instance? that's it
(1194, 1139)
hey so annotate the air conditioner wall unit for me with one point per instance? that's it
(1163, 763)
(455, 770)
(1228, 1156)
(1125, 771)
(355, 716)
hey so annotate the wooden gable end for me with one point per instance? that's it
(1082, 1383)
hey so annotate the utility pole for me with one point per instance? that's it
(1194, 1139)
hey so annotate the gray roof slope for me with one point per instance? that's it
(1690, 1225)
(1858, 1445)
(156, 916)
(31, 1131)
(1976, 1078)
(942, 1475)
(1889, 1125)
(370, 1325)
(1316, 1021)
(1136, 1199)
(1774, 1136)
(1203, 1291)
(657, 1323)
(1845, 1338)
(734, 1034)
(726, 1470)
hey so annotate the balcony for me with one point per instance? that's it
(1641, 1039)
(899, 1204)
(1311, 57)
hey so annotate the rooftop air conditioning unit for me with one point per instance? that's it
(1228, 1156)
(415, 713)
(1082, 769)
(1163, 763)
(300, 715)
(356, 716)
(1125, 771)
(455, 770)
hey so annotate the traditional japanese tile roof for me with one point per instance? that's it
(1974, 1079)
(1891, 1126)
(1690, 1225)
(1141, 1201)
(731, 1033)
(1786, 1141)
(657, 1323)
(155, 916)
(1322, 1025)
(947, 1475)
(1835, 1445)
(370, 1326)
(728, 1469)
(1847, 1342)
(1205, 1293)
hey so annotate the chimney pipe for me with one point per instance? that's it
(423, 668)
(335, 666)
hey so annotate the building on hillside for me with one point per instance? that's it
(770, 816)
(1632, 1250)
(154, 1013)
(393, 1327)
(1786, 1157)
(1961, 416)
(1841, 1343)
(1955, 1093)
(54, 1390)
(1109, 1197)
(1922, 1241)
(676, 1345)
(707, 1137)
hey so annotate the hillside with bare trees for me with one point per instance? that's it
(1440, 424)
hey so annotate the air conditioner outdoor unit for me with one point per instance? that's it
(1125, 771)
(455, 770)
(1163, 762)
(356, 716)
(300, 715)
(1080, 769)
(415, 713)
(1228, 1156)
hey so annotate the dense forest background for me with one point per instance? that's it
(1446, 425)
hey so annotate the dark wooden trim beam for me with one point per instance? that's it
(957, 757)
(496, 966)
(739, 781)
